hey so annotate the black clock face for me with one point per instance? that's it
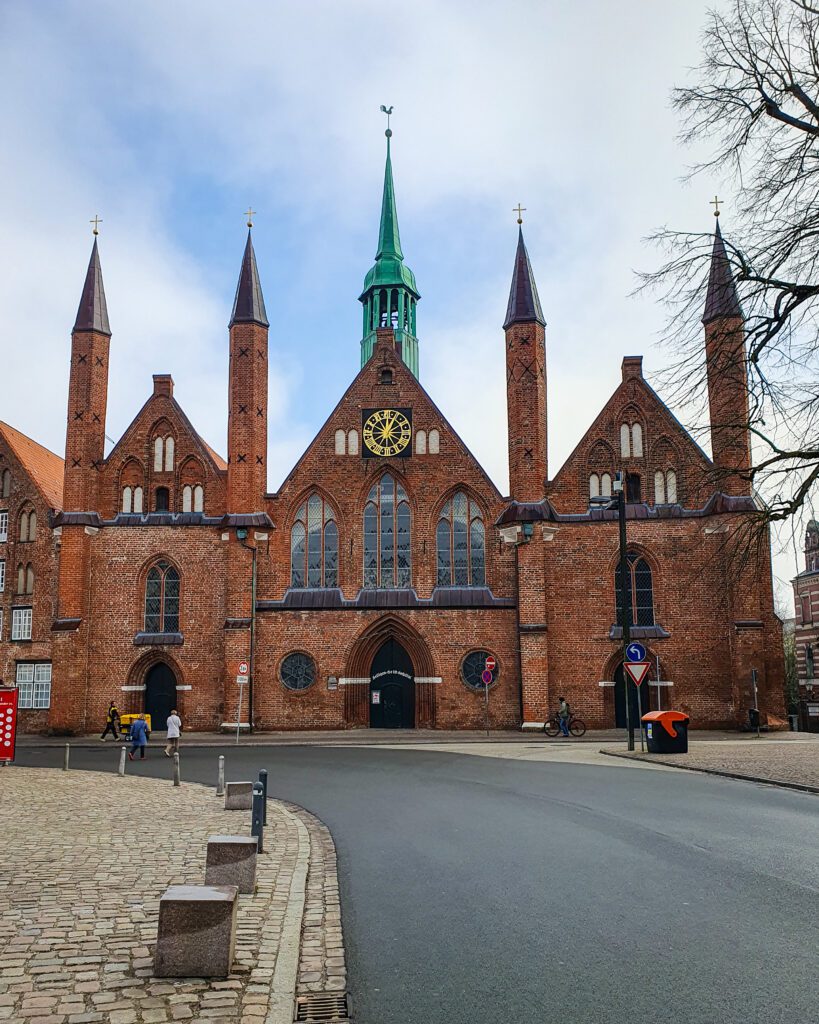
(386, 433)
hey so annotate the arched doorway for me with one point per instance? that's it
(620, 699)
(160, 694)
(392, 688)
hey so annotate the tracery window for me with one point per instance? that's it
(461, 543)
(640, 591)
(314, 545)
(387, 535)
(298, 671)
(472, 668)
(162, 599)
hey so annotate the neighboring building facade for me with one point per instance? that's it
(806, 605)
(370, 589)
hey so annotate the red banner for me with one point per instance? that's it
(8, 722)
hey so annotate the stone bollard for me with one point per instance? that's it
(263, 780)
(122, 754)
(238, 796)
(196, 933)
(257, 815)
(65, 756)
(231, 860)
(177, 778)
(220, 776)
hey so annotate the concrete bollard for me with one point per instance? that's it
(122, 755)
(257, 815)
(263, 780)
(220, 776)
(65, 757)
(177, 778)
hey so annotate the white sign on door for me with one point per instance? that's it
(376, 696)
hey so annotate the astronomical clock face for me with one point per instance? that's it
(386, 433)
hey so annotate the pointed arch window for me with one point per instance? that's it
(127, 499)
(159, 447)
(461, 544)
(162, 599)
(314, 545)
(640, 591)
(594, 486)
(665, 487)
(5, 483)
(387, 528)
(169, 446)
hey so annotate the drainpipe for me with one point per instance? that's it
(517, 629)
(241, 534)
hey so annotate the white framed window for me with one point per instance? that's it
(21, 623)
(637, 441)
(625, 441)
(4, 526)
(159, 447)
(169, 454)
(340, 438)
(2, 575)
(187, 498)
(420, 442)
(434, 442)
(127, 499)
(352, 442)
(199, 498)
(34, 684)
(594, 486)
(137, 499)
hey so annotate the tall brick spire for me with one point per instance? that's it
(92, 314)
(727, 374)
(248, 306)
(247, 395)
(525, 382)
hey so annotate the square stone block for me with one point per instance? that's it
(231, 860)
(196, 936)
(238, 796)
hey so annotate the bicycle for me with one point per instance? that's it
(577, 727)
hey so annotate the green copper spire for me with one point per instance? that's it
(390, 293)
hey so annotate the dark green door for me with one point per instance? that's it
(620, 699)
(160, 695)
(392, 688)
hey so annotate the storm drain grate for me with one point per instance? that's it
(322, 1007)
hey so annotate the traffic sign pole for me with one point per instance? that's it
(486, 679)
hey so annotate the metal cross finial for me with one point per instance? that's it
(249, 214)
(96, 221)
(519, 210)
(715, 204)
(387, 111)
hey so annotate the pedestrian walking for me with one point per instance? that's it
(111, 722)
(174, 730)
(564, 714)
(139, 738)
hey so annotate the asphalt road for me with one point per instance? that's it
(478, 890)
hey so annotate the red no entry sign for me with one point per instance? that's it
(638, 670)
(490, 664)
(8, 722)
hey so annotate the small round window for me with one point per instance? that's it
(473, 667)
(298, 671)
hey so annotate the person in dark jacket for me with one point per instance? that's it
(139, 737)
(564, 714)
(111, 722)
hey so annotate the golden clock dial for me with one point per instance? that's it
(387, 432)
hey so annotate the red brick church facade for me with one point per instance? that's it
(369, 589)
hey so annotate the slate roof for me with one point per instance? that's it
(43, 466)
(248, 306)
(93, 312)
(524, 304)
(722, 299)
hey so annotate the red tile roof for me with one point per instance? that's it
(44, 467)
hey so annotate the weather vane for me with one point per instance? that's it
(96, 222)
(519, 210)
(249, 214)
(387, 111)
(715, 204)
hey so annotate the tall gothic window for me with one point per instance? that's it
(461, 545)
(162, 599)
(314, 545)
(387, 535)
(640, 591)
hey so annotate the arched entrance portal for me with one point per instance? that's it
(620, 699)
(160, 694)
(392, 688)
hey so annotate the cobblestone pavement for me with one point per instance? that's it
(767, 759)
(86, 857)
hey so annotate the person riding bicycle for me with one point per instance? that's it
(564, 714)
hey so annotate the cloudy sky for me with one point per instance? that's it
(167, 119)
